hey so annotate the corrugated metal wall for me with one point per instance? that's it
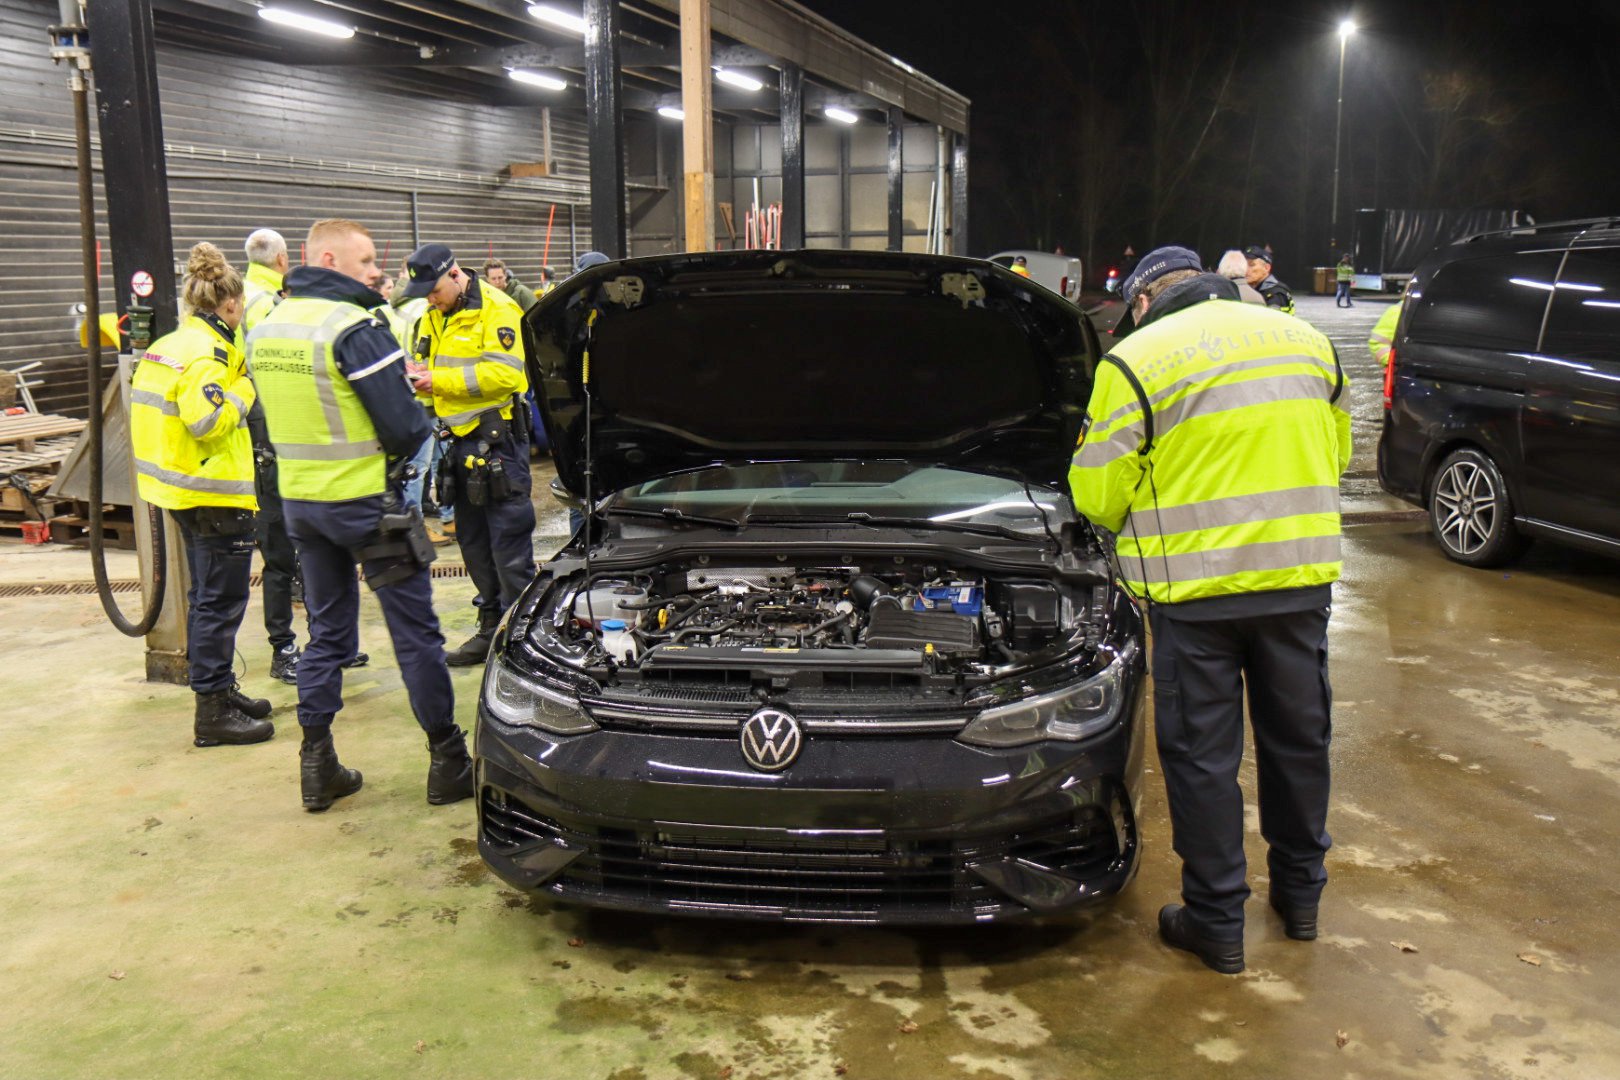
(254, 145)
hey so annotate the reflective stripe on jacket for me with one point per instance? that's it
(1238, 491)
(475, 355)
(263, 292)
(1383, 333)
(326, 445)
(188, 406)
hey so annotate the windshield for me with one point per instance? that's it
(821, 490)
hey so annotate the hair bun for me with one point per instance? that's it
(207, 263)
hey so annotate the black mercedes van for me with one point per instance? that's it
(1502, 395)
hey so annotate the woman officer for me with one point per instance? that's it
(194, 457)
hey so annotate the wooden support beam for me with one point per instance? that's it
(697, 141)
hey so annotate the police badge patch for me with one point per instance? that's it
(507, 335)
(214, 394)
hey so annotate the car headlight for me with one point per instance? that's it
(516, 698)
(1070, 714)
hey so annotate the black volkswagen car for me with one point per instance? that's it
(833, 644)
(1502, 397)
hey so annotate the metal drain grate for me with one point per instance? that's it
(87, 588)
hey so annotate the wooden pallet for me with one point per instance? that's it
(46, 454)
(26, 428)
(70, 529)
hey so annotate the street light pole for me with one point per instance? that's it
(1346, 28)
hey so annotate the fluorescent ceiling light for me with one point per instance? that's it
(307, 23)
(567, 20)
(537, 78)
(672, 112)
(843, 116)
(738, 79)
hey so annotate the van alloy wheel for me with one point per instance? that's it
(1468, 507)
(1471, 512)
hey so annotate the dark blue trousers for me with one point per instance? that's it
(221, 567)
(280, 561)
(325, 534)
(1200, 673)
(496, 539)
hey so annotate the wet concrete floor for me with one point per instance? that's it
(171, 911)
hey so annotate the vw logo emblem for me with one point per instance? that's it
(771, 740)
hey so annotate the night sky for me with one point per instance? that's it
(1095, 125)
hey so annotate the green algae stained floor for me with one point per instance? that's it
(171, 912)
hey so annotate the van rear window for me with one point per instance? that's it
(1490, 303)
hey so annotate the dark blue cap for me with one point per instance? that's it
(1157, 263)
(590, 259)
(1255, 251)
(426, 266)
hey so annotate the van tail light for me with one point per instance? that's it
(1063, 285)
(1389, 379)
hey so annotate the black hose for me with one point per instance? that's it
(92, 336)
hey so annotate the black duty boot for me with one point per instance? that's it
(360, 659)
(219, 722)
(322, 778)
(1181, 932)
(450, 772)
(1299, 923)
(284, 665)
(256, 707)
(476, 649)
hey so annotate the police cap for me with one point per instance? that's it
(426, 265)
(1157, 263)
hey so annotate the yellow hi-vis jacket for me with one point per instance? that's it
(263, 292)
(1230, 484)
(188, 407)
(326, 445)
(475, 355)
(1383, 333)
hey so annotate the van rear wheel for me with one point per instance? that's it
(1470, 513)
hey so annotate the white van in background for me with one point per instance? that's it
(1060, 273)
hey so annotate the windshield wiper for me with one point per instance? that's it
(670, 514)
(860, 518)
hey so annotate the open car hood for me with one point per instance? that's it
(694, 360)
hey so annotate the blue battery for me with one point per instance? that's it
(962, 599)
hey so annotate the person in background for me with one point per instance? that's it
(1216, 467)
(189, 402)
(1344, 274)
(547, 281)
(1235, 268)
(343, 420)
(1020, 266)
(266, 252)
(1275, 293)
(1382, 340)
(469, 362)
(497, 274)
(280, 586)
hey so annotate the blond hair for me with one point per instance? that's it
(210, 280)
(327, 230)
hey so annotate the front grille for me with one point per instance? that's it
(857, 874)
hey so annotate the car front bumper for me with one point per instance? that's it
(877, 829)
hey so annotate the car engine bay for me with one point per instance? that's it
(935, 623)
